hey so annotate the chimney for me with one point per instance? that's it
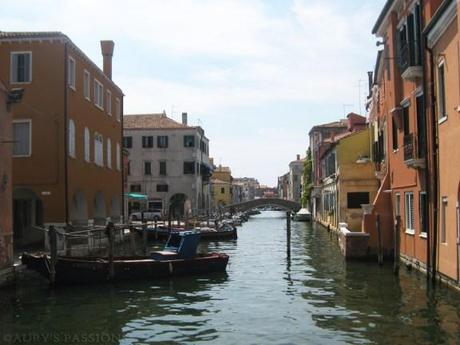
(107, 53)
(184, 119)
(298, 157)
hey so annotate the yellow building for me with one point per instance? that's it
(221, 187)
(349, 180)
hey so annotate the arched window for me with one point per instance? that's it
(109, 153)
(98, 149)
(87, 145)
(71, 138)
(118, 157)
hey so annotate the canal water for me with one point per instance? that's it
(266, 297)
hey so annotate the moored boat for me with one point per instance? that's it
(178, 258)
(303, 215)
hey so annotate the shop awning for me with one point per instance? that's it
(136, 196)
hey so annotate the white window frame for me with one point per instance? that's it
(409, 218)
(441, 116)
(118, 108)
(109, 153)
(98, 98)
(98, 149)
(71, 138)
(71, 73)
(443, 234)
(11, 66)
(87, 85)
(87, 144)
(109, 101)
(118, 158)
(29, 121)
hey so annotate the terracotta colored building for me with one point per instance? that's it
(67, 165)
(442, 34)
(6, 211)
(407, 124)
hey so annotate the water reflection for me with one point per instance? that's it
(269, 297)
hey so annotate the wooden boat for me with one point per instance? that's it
(303, 215)
(178, 258)
(207, 234)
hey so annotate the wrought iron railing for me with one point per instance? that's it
(409, 147)
(409, 55)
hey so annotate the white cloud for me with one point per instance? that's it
(232, 53)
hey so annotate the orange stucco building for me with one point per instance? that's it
(442, 43)
(67, 165)
(414, 101)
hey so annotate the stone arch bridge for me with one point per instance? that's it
(248, 205)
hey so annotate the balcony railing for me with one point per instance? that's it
(410, 60)
(412, 157)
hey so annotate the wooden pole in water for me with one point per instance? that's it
(379, 234)
(396, 245)
(144, 238)
(288, 233)
(52, 238)
(111, 239)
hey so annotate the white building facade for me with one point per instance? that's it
(169, 163)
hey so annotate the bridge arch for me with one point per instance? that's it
(248, 205)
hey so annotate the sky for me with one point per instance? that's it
(256, 75)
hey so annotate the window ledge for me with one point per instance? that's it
(423, 235)
(99, 107)
(20, 82)
(72, 87)
(442, 119)
(410, 232)
(21, 156)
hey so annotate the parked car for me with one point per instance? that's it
(151, 215)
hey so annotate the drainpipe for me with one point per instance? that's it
(66, 134)
(433, 241)
(122, 165)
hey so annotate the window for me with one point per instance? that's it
(189, 141)
(405, 119)
(118, 108)
(162, 188)
(98, 150)
(421, 127)
(71, 73)
(409, 212)
(398, 204)
(109, 102)
(189, 168)
(163, 168)
(128, 142)
(409, 41)
(98, 94)
(109, 153)
(394, 132)
(441, 91)
(147, 168)
(222, 190)
(147, 141)
(22, 137)
(162, 141)
(21, 67)
(443, 220)
(203, 147)
(135, 188)
(71, 138)
(423, 209)
(87, 144)
(356, 199)
(86, 84)
(118, 158)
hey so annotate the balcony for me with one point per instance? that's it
(410, 61)
(411, 157)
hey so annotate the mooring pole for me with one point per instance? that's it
(52, 238)
(396, 245)
(379, 234)
(144, 238)
(110, 235)
(288, 233)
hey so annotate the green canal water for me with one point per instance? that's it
(266, 297)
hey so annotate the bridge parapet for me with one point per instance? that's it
(248, 205)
